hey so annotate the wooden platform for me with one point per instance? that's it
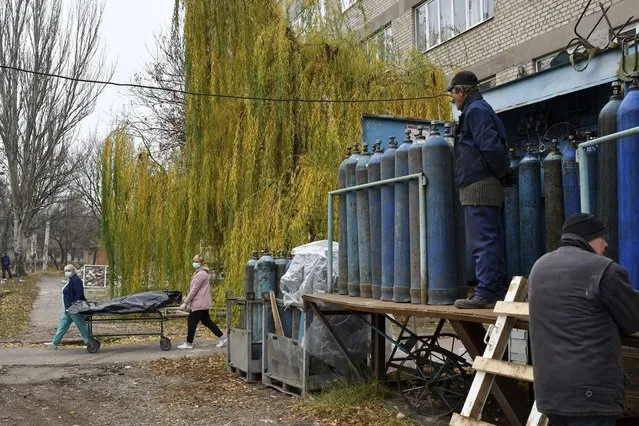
(449, 312)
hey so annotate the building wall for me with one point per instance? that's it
(504, 46)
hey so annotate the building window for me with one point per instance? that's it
(382, 42)
(437, 21)
(487, 83)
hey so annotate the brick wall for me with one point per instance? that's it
(515, 23)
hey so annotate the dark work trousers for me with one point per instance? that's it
(6, 268)
(580, 421)
(486, 238)
(203, 317)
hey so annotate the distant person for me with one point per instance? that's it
(199, 300)
(581, 303)
(6, 265)
(72, 291)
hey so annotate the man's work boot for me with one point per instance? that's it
(474, 302)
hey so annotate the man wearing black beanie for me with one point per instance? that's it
(581, 303)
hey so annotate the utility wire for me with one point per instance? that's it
(216, 95)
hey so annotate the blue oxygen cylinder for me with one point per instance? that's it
(607, 207)
(554, 197)
(530, 227)
(570, 179)
(342, 260)
(438, 163)
(460, 226)
(401, 285)
(363, 225)
(265, 279)
(592, 155)
(351, 224)
(627, 178)
(511, 222)
(280, 268)
(249, 274)
(415, 165)
(387, 171)
(375, 209)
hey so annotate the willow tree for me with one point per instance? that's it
(258, 164)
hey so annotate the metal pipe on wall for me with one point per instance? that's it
(584, 180)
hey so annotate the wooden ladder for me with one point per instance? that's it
(513, 307)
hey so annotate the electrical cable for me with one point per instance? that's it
(216, 95)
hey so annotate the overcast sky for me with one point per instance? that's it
(128, 29)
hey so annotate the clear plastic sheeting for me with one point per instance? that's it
(138, 303)
(307, 275)
(354, 333)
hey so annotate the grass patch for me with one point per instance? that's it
(16, 305)
(347, 403)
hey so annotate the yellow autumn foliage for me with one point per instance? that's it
(253, 172)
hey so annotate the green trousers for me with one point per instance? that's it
(65, 323)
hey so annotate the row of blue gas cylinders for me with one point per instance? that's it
(262, 275)
(533, 223)
(379, 226)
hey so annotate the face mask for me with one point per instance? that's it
(196, 265)
(68, 274)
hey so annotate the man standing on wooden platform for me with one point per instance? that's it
(481, 168)
(580, 304)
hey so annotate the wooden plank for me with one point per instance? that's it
(509, 395)
(495, 349)
(276, 315)
(378, 347)
(359, 304)
(536, 418)
(459, 420)
(504, 368)
(513, 309)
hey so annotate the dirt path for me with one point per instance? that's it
(124, 384)
(195, 391)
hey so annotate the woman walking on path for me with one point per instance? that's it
(199, 300)
(71, 292)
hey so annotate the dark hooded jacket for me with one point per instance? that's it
(73, 291)
(480, 143)
(580, 306)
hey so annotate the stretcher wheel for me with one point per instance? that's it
(93, 345)
(165, 343)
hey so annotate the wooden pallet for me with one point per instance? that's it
(490, 365)
(249, 377)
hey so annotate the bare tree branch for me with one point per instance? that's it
(38, 114)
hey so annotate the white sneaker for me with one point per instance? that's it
(222, 342)
(185, 346)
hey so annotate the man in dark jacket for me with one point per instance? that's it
(481, 164)
(6, 265)
(580, 304)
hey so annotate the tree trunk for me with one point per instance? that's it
(55, 261)
(18, 246)
(45, 249)
(33, 253)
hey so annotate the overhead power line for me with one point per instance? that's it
(217, 95)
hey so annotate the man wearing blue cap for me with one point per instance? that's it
(481, 171)
(581, 303)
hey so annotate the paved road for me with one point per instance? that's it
(44, 321)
